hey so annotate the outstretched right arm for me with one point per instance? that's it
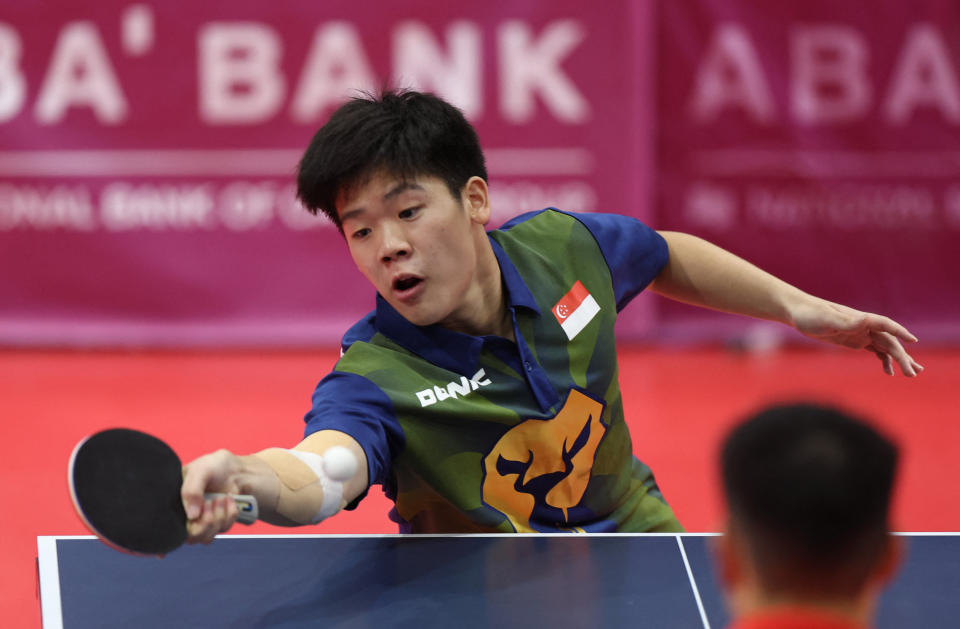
(293, 487)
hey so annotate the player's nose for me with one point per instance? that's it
(394, 243)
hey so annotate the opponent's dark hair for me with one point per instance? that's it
(810, 486)
(404, 133)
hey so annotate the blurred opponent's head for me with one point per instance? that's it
(808, 490)
(400, 134)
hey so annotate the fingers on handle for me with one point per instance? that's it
(192, 490)
(217, 516)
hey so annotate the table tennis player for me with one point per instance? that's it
(482, 391)
(807, 542)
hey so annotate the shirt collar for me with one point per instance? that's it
(453, 351)
(517, 292)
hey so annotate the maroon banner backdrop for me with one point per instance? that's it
(148, 151)
(819, 140)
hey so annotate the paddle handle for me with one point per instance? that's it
(247, 508)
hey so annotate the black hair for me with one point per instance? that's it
(810, 487)
(404, 133)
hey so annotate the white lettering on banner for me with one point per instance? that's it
(711, 206)
(240, 78)
(520, 196)
(80, 74)
(419, 63)
(237, 205)
(731, 75)
(529, 66)
(126, 207)
(44, 207)
(336, 67)
(13, 86)
(292, 213)
(244, 205)
(136, 29)
(831, 83)
(123, 206)
(847, 207)
(923, 76)
(452, 390)
(829, 77)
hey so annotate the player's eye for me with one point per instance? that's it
(410, 212)
(360, 233)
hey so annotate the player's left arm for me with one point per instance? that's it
(702, 274)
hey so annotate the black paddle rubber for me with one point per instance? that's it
(126, 487)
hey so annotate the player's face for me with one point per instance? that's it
(419, 245)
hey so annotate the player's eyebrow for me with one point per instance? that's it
(403, 186)
(351, 214)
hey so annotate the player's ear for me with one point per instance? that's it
(727, 557)
(476, 200)
(889, 562)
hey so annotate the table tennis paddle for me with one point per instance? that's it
(125, 485)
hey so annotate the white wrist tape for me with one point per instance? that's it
(332, 489)
(307, 478)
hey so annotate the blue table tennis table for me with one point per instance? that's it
(377, 581)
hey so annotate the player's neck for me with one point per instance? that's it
(484, 309)
(858, 611)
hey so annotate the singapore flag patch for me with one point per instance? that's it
(575, 310)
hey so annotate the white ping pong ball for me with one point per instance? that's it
(339, 463)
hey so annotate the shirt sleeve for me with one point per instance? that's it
(635, 253)
(354, 405)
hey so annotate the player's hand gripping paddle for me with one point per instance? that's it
(125, 485)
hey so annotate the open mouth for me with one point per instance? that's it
(402, 284)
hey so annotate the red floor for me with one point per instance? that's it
(678, 403)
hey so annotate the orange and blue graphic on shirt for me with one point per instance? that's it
(540, 468)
